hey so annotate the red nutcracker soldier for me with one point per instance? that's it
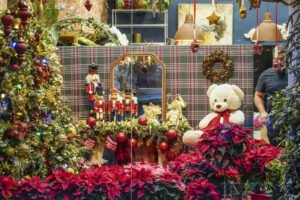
(129, 106)
(93, 86)
(100, 108)
(115, 105)
(135, 105)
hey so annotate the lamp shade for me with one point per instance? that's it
(186, 31)
(267, 30)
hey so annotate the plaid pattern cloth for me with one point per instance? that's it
(183, 72)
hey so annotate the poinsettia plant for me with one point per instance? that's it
(256, 157)
(201, 189)
(224, 147)
(8, 187)
(33, 188)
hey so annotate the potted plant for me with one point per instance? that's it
(256, 157)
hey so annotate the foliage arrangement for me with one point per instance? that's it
(286, 108)
(99, 31)
(161, 5)
(34, 122)
(139, 181)
(226, 155)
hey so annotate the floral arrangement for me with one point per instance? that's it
(141, 180)
(227, 155)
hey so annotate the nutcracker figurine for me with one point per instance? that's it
(129, 106)
(135, 104)
(93, 86)
(115, 105)
(99, 107)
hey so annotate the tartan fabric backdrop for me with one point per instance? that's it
(183, 72)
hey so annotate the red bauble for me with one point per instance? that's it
(15, 66)
(10, 132)
(143, 121)
(132, 142)
(164, 146)
(171, 134)
(195, 46)
(88, 5)
(171, 155)
(127, 4)
(91, 121)
(257, 49)
(21, 48)
(24, 14)
(121, 137)
(7, 20)
(34, 54)
(255, 4)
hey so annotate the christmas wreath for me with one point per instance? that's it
(211, 59)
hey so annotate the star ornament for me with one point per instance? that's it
(213, 18)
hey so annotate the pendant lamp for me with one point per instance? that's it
(267, 30)
(186, 31)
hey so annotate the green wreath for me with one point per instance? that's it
(209, 62)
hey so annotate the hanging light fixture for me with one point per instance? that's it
(267, 30)
(186, 31)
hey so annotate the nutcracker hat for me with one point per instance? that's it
(93, 69)
(127, 91)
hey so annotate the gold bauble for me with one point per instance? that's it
(6, 85)
(69, 169)
(23, 150)
(243, 12)
(20, 114)
(10, 151)
(72, 131)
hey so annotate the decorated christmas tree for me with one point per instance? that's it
(37, 133)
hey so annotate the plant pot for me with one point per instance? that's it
(260, 196)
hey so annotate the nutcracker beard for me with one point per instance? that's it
(99, 116)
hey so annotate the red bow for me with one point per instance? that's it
(216, 121)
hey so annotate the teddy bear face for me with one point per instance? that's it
(224, 97)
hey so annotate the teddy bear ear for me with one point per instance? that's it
(238, 91)
(211, 88)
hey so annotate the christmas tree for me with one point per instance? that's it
(37, 133)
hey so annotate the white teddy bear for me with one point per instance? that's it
(225, 101)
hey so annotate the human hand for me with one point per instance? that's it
(264, 117)
(90, 92)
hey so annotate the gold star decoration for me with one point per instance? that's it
(213, 18)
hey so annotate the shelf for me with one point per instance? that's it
(135, 10)
(140, 25)
(159, 23)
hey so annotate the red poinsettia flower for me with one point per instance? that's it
(101, 180)
(62, 183)
(7, 187)
(201, 189)
(258, 153)
(33, 188)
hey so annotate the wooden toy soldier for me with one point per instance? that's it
(93, 86)
(115, 105)
(100, 108)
